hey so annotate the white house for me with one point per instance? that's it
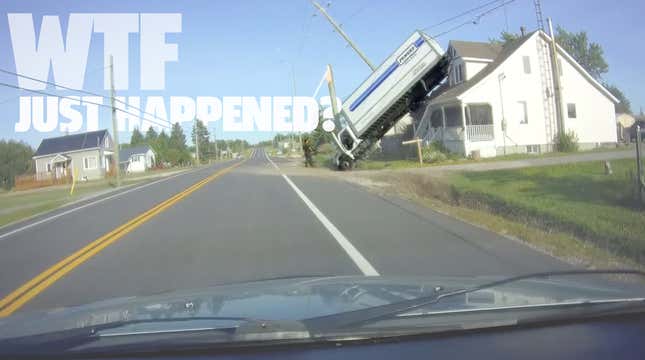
(500, 100)
(85, 155)
(137, 158)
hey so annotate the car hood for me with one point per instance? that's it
(298, 299)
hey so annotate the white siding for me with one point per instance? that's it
(473, 67)
(595, 120)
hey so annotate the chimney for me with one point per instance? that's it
(522, 30)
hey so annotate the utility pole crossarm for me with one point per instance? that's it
(344, 35)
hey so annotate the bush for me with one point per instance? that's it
(435, 152)
(567, 142)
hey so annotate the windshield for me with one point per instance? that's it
(262, 172)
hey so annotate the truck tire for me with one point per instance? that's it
(345, 163)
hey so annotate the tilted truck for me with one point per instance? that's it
(391, 91)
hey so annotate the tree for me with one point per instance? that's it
(177, 137)
(151, 136)
(201, 134)
(160, 146)
(136, 138)
(588, 54)
(505, 38)
(625, 105)
(15, 159)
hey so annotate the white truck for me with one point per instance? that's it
(391, 91)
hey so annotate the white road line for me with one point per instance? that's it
(353, 253)
(90, 204)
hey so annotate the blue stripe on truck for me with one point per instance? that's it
(379, 81)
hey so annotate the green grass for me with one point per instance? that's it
(16, 205)
(576, 198)
(380, 164)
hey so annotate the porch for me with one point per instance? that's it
(460, 127)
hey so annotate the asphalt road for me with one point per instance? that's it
(248, 221)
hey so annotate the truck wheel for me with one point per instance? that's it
(345, 164)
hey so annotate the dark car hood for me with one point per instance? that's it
(296, 299)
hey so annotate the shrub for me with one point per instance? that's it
(435, 152)
(567, 142)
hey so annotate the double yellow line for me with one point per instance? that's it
(16, 299)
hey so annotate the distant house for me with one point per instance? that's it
(86, 155)
(500, 100)
(624, 123)
(137, 159)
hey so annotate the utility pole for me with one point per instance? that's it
(639, 170)
(196, 142)
(115, 126)
(344, 35)
(215, 141)
(557, 91)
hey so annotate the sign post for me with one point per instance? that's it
(418, 142)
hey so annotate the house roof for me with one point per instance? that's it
(444, 92)
(479, 50)
(124, 154)
(67, 143)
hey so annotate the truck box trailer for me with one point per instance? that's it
(399, 84)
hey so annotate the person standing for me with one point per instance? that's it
(308, 149)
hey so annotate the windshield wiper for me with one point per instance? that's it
(368, 315)
(59, 341)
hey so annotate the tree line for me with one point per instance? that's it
(172, 150)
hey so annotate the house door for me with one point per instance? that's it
(60, 169)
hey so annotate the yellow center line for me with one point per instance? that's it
(17, 298)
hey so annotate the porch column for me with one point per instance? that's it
(465, 126)
(443, 123)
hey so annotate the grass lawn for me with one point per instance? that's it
(380, 164)
(577, 198)
(16, 205)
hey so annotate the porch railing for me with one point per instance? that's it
(480, 132)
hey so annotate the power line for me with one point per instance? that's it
(71, 98)
(166, 122)
(461, 14)
(476, 19)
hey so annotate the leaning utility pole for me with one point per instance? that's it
(115, 127)
(557, 90)
(196, 142)
(345, 36)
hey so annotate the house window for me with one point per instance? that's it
(479, 114)
(453, 116)
(459, 76)
(89, 162)
(527, 64)
(522, 112)
(571, 110)
(436, 119)
(49, 167)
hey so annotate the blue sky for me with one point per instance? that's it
(247, 48)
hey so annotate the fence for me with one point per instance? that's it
(33, 181)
